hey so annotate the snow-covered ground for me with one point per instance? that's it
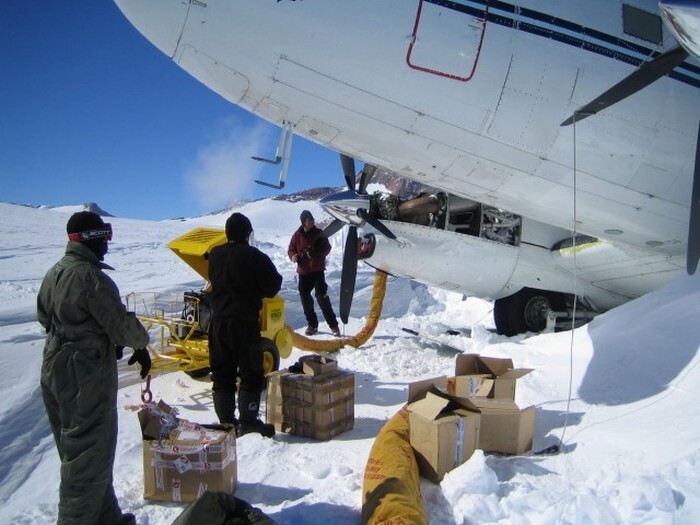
(631, 436)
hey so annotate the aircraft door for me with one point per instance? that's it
(446, 39)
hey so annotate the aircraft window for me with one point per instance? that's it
(641, 24)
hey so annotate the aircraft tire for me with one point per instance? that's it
(525, 311)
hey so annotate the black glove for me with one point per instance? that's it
(119, 350)
(143, 358)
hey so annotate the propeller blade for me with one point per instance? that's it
(348, 164)
(376, 223)
(694, 228)
(347, 278)
(365, 178)
(332, 228)
(641, 78)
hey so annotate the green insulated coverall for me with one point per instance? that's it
(81, 310)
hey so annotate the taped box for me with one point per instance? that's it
(505, 427)
(480, 376)
(444, 430)
(489, 383)
(315, 406)
(181, 459)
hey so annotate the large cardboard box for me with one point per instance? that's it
(479, 376)
(444, 430)
(489, 382)
(505, 427)
(181, 459)
(315, 406)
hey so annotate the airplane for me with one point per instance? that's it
(557, 140)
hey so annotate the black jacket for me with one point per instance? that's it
(240, 276)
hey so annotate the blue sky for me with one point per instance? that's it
(92, 112)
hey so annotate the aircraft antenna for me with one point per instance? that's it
(573, 314)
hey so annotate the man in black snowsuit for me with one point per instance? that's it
(240, 276)
(87, 328)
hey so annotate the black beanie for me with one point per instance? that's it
(238, 227)
(306, 214)
(83, 221)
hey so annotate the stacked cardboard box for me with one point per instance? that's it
(489, 383)
(318, 402)
(444, 430)
(181, 459)
(450, 417)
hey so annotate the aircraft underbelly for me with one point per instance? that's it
(620, 269)
(353, 76)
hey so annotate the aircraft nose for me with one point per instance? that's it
(160, 21)
(345, 206)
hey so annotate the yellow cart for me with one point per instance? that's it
(178, 322)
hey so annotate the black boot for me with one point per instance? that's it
(248, 406)
(225, 407)
(127, 519)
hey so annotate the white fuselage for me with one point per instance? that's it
(468, 102)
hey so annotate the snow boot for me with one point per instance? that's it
(248, 407)
(127, 519)
(225, 407)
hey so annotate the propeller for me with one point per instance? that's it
(351, 207)
(641, 78)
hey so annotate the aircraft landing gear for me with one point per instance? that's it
(526, 311)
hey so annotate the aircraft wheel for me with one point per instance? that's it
(270, 356)
(525, 311)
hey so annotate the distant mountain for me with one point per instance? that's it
(94, 208)
(87, 206)
(392, 183)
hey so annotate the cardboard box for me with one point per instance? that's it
(189, 460)
(505, 427)
(481, 376)
(315, 406)
(472, 385)
(444, 430)
(317, 365)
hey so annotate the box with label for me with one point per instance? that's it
(444, 430)
(479, 376)
(182, 460)
(315, 406)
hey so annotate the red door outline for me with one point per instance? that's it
(441, 73)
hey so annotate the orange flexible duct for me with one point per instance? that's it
(391, 486)
(333, 345)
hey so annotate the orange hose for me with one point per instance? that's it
(333, 345)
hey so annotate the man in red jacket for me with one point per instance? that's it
(309, 248)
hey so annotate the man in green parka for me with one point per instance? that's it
(87, 327)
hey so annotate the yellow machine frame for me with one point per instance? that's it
(178, 342)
